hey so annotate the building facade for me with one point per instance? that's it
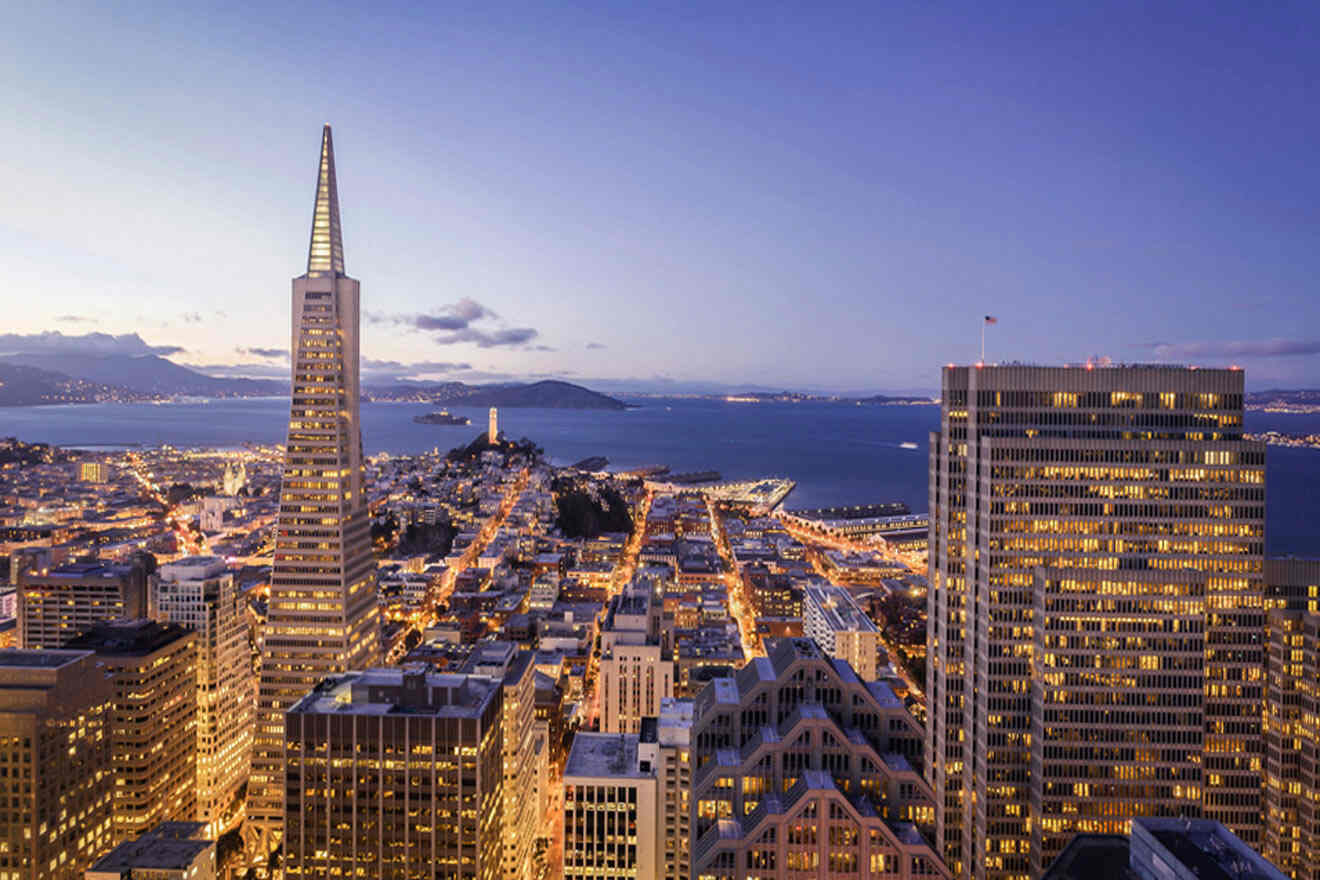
(322, 618)
(636, 671)
(1292, 744)
(800, 768)
(199, 593)
(395, 773)
(1082, 515)
(512, 667)
(838, 625)
(153, 731)
(610, 808)
(674, 787)
(60, 604)
(55, 713)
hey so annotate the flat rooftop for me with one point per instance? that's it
(16, 658)
(153, 852)
(603, 754)
(398, 691)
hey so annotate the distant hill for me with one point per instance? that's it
(550, 394)
(150, 374)
(884, 399)
(32, 386)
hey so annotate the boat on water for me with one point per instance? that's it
(443, 417)
(908, 445)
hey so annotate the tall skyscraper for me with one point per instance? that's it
(322, 618)
(198, 592)
(1096, 608)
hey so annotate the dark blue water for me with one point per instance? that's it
(837, 454)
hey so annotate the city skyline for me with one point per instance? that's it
(1111, 184)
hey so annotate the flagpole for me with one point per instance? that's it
(982, 341)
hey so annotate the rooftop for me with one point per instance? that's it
(603, 754)
(129, 637)
(395, 690)
(18, 658)
(154, 851)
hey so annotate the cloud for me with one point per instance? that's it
(191, 317)
(269, 353)
(75, 319)
(415, 366)
(1236, 348)
(455, 323)
(455, 316)
(55, 342)
(243, 371)
(595, 346)
(509, 336)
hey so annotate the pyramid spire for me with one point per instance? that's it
(326, 254)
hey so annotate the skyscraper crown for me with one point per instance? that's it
(326, 254)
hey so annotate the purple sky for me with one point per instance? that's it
(685, 195)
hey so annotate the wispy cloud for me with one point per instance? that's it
(455, 323)
(191, 317)
(595, 346)
(268, 353)
(414, 367)
(75, 319)
(1236, 348)
(509, 336)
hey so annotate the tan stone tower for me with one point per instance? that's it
(322, 618)
(493, 432)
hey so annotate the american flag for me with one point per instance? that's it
(991, 319)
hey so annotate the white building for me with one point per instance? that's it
(636, 671)
(199, 592)
(833, 620)
(611, 815)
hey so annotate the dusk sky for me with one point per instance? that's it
(804, 196)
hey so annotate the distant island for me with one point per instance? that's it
(443, 417)
(800, 397)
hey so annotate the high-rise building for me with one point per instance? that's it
(395, 773)
(322, 617)
(153, 730)
(55, 709)
(199, 594)
(673, 737)
(611, 816)
(800, 768)
(833, 620)
(1292, 717)
(1096, 609)
(503, 662)
(636, 671)
(57, 605)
